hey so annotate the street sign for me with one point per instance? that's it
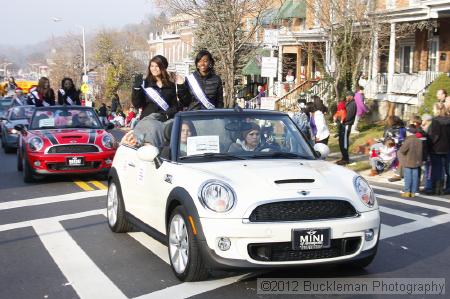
(268, 103)
(84, 88)
(269, 67)
(85, 78)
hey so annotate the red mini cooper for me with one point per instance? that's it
(64, 139)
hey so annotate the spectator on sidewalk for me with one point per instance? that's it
(361, 108)
(439, 149)
(319, 128)
(339, 116)
(344, 131)
(411, 158)
(115, 103)
(441, 95)
(301, 119)
(103, 113)
(261, 94)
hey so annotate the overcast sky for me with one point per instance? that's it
(31, 21)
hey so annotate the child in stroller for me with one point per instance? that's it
(382, 156)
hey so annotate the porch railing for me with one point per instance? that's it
(289, 100)
(412, 84)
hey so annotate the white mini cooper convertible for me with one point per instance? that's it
(242, 189)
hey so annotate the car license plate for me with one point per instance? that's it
(75, 161)
(307, 239)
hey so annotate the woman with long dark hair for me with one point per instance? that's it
(68, 94)
(155, 94)
(42, 95)
(203, 88)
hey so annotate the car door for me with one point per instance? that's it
(126, 170)
(147, 193)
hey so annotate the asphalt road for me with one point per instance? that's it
(55, 243)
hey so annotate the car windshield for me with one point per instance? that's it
(240, 136)
(64, 117)
(21, 112)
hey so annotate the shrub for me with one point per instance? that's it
(442, 82)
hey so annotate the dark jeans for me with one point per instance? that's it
(427, 175)
(344, 140)
(447, 172)
(438, 163)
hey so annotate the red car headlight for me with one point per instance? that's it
(35, 143)
(108, 141)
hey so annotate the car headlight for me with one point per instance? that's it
(108, 141)
(217, 196)
(35, 143)
(364, 191)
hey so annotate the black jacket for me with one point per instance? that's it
(211, 85)
(168, 93)
(439, 135)
(73, 94)
(351, 112)
(49, 98)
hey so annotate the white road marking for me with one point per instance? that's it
(84, 275)
(151, 244)
(421, 196)
(402, 214)
(414, 226)
(50, 199)
(189, 289)
(407, 201)
(22, 224)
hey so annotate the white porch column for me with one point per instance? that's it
(280, 71)
(375, 56)
(391, 63)
(271, 79)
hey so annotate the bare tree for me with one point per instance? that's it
(228, 28)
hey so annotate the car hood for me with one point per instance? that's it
(61, 136)
(256, 181)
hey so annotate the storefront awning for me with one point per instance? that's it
(253, 67)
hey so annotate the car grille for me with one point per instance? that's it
(73, 149)
(283, 252)
(302, 210)
(63, 166)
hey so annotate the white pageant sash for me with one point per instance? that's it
(198, 92)
(63, 93)
(156, 97)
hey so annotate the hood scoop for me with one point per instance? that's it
(72, 136)
(295, 181)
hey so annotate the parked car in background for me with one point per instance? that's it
(242, 190)
(63, 140)
(19, 115)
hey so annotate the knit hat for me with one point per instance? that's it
(427, 117)
(252, 127)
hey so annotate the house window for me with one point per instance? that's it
(433, 55)
(406, 58)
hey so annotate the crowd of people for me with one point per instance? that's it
(418, 151)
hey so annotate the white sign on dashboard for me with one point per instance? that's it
(198, 145)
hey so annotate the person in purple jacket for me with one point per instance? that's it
(361, 108)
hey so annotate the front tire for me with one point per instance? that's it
(19, 160)
(115, 208)
(28, 173)
(184, 250)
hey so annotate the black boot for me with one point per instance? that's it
(439, 188)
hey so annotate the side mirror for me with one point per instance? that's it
(3, 118)
(322, 149)
(147, 153)
(109, 126)
(19, 128)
